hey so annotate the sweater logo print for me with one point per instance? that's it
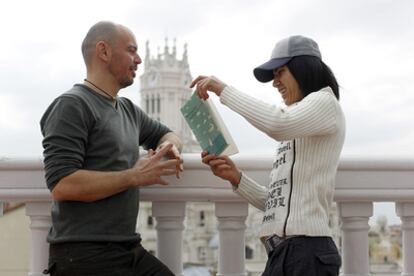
(279, 187)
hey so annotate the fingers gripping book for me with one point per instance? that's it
(208, 126)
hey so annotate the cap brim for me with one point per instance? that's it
(264, 72)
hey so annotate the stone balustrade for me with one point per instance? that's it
(360, 182)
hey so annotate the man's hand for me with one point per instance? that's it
(173, 153)
(149, 169)
(204, 84)
(223, 167)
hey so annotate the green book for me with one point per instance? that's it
(208, 126)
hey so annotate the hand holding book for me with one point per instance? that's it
(204, 84)
(223, 167)
(204, 119)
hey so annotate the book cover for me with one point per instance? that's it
(208, 126)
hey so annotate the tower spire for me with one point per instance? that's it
(174, 52)
(165, 88)
(185, 55)
(147, 54)
(166, 47)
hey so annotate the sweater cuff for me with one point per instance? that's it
(227, 94)
(244, 183)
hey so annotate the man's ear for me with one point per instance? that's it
(104, 51)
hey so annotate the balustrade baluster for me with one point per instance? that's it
(40, 222)
(231, 226)
(170, 225)
(406, 212)
(354, 225)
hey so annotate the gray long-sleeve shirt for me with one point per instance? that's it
(83, 130)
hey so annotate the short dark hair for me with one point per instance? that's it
(102, 31)
(312, 74)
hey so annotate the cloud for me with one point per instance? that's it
(366, 43)
(372, 18)
(10, 118)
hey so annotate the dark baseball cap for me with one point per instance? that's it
(283, 52)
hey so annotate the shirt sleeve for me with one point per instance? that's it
(313, 115)
(151, 131)
(65, 131)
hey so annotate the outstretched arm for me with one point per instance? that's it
(88, 186)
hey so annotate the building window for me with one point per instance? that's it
(153, 105)
(158, 104)
(147, 105)
(202, 219)
(201, 253)
(249, 252)
(150, 221)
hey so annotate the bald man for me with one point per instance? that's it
(93, 166)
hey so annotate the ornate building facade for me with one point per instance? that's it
(164, 90)
(165, 87)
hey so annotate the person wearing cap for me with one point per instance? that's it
(310, 127)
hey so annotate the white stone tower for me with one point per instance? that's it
(164, 90)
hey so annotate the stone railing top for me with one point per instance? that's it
(358, 179)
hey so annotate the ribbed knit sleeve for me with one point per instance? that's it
(253, 192)
(313, 115)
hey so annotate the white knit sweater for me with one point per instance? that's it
(298, 199)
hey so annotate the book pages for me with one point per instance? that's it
(208, 126)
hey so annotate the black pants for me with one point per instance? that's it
(304, 256)
(103, 259)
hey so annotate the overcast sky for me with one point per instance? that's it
(368, 45)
